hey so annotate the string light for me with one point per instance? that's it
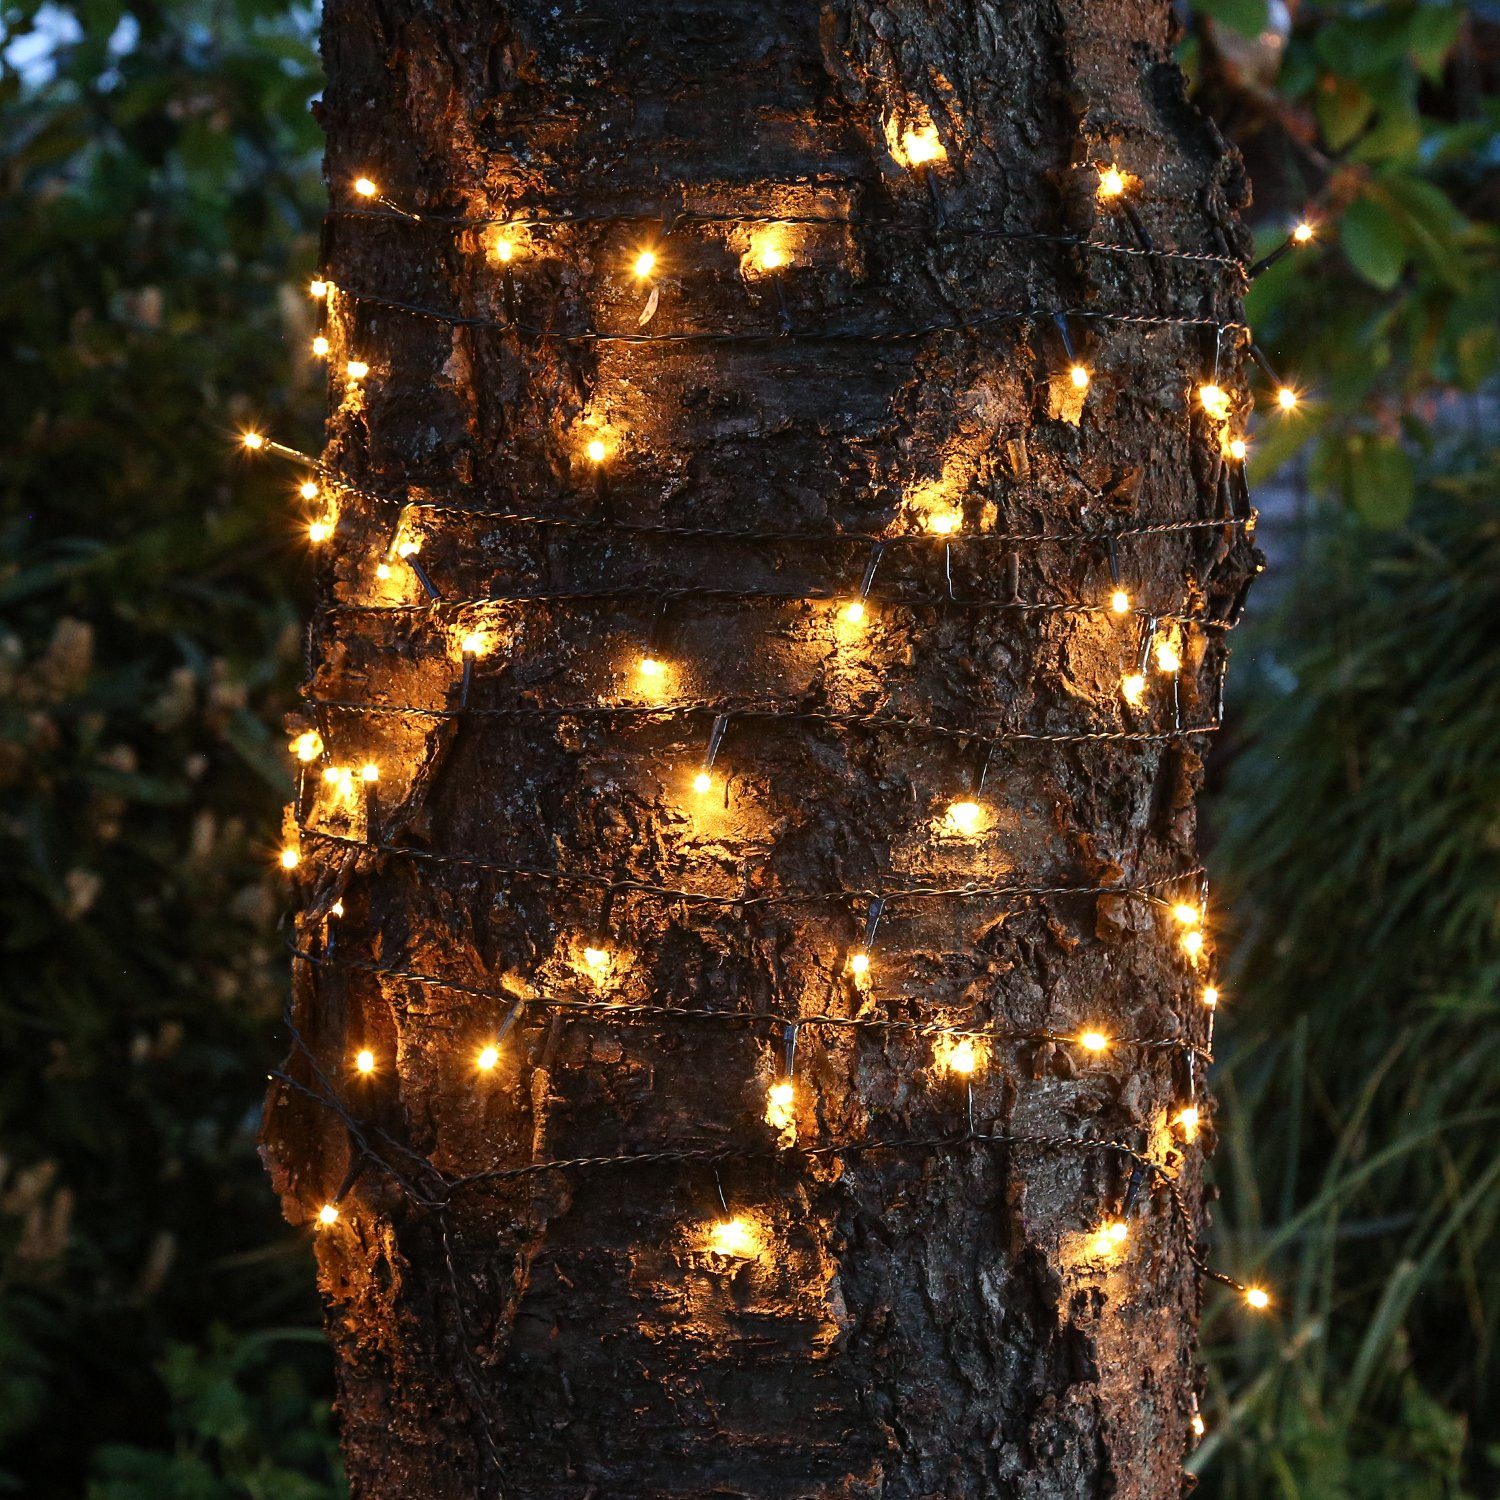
(317, 288)
(1093, 1041)
(1133, 688)
(308, 489)
(289, 858)
(1257, 1297)
(1111, 1237)
(598, 961)
(365, 188)
(475, 643)
(307, 746)
(328, 1214)
(959, 1056)
(1187, 914)
(320, 347)
(1167, 659)
(945, 522)
(1187, 1121)
(735, 1238)
(1119, 601)
(781, 1110)
(965, 817)
(1198, 1425)
(644, 264)
(1193, 942)
(1215, 401)
(318, 532)
(922, 146)
(356, 369)
(702, 782)
(596, 450)
(1210, 996)
(1239, 449)
(503, 249)
(859, 963)
(1112, 183)
(853, 612)
(364, 1060)
(1303, 232)
(649, 667)
(254, 441)
(487, 1058)
(1079, 375)
(1286, 398)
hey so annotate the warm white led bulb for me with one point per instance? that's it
(365, 188)
(944, 522)
(1215, 401)
(596, 451)
(644, 264)
(1111, 182)
(317, 287)
(702, 781)
(1119, 601)
(290, 858)
(1079, 376)
(328, 1214)
(1093, 1041)
(308, 489)
(320, 347)
(472, 644)
(965, 817)
(734, 1237)
(308, 746)
(357, 369)
(1258, 1298)
(859, 964)
(1286, 397)
(318, 532)
(1133, 688)
(854, 611)
(253, 441)
(650, 667)
(922, 146)
(364, 1060)
(1210, 996)
(1303, 232)
(488, 1057)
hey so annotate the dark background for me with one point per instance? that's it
(158, 218)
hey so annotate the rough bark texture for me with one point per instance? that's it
(917, 1322)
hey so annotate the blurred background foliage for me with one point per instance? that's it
(159, 206)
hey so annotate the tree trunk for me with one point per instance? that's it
(912, 1297)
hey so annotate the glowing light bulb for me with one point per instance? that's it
(320, 347)
(318, 531)
(963, 1059)
(337, 909)
(1239, 449)
(1303, 233)
(781, 1110)
(1111, 183)
(1167, 658)
(771, 259)
(734, 1237)
(853, 612)
(596, 451)
(290, 858)
(1093, 1041)
(1210, 996)
(253, 441)
(364, 1060)
(944, 522)
(1257, 1297)
(1133, 689)
(1187, 1122)
(922, 146)
(651, 668)
(702, 782)
(365, 188)
(597, 960)
(317, 287)
(382, 570)
(504, 251)
(1119, 601)
(1286, 397)
(473, 644)
(965, 817)
(328, 1214)
(1187, 914)
(357, 369)
(859, 964)
(1215, 401)
(1192, 942)
(488, 1057)
(1198, 1426)
(644, 264)
(308, 746)
(308, 489)
(369, 773)
(410, 547)
(1080, 377)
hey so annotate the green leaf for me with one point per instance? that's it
(1432, 31)
(1343, 109)
(1381, 481)
(1248, 17)
(1373, 242)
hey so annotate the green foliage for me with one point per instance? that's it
(1362, 1096)
(1377, 119)
(156, 203)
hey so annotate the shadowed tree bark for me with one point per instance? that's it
(936, 1318)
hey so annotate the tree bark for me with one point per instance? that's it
(923, 1320)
